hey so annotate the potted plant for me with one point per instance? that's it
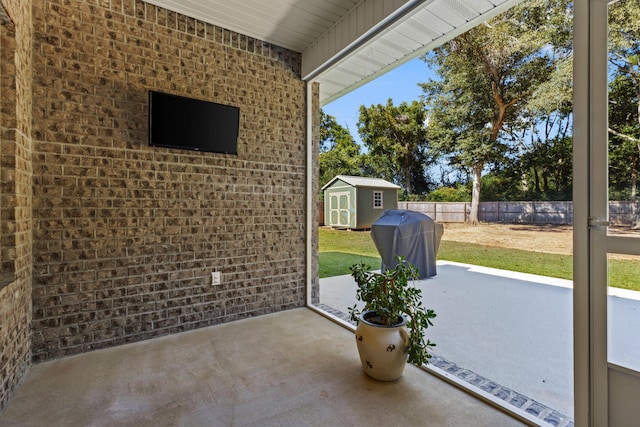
(392, 325)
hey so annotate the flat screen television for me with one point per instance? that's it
(192, 124)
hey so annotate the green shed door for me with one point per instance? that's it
(339, 209)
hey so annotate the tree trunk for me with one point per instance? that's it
(634, 182)
(407, 178)
(475, 194)
(523, 182)
(635, 224)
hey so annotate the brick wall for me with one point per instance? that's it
(15, 193)
(125, 235)
(8, 131)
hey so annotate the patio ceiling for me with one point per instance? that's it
(345, 43)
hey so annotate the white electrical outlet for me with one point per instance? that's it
(215, 278)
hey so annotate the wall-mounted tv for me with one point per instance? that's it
(192, 124)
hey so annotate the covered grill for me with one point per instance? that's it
(411, 234)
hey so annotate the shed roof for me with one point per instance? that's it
(359, 181)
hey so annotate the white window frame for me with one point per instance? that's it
(375, 193)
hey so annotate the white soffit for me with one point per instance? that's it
(345, 43)
(293, 24)
(424, 27)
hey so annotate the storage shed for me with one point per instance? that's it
(355, 202)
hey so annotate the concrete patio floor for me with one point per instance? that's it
(293, 368)
(512, 328)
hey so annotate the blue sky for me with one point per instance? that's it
(400, 84)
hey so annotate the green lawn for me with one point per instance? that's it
(339, 249)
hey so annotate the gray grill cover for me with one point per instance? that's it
(413, 235)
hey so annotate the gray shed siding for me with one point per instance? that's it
(352, 206)
(366, 213)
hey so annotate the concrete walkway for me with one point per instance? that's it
(515, 329)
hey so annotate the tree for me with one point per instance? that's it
(624, 153)
(624, 95)
(548, 169)
(542, 135)
(396, 139)
(339, 153)
(486, 78)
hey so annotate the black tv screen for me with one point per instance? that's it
(192, 124)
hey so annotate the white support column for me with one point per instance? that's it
(310, 195)
(589, 199)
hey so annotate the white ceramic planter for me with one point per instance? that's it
(382, 349)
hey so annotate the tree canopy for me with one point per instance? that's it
(396, 139)
(624, 98)
(486, 78)
(498, 114)
(339, 153)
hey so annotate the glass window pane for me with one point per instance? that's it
(624, 311)
(624, 120)
(623, 302)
